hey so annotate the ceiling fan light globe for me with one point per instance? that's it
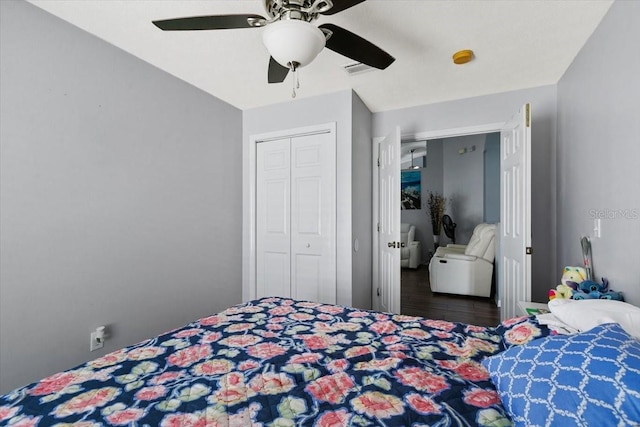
(293, 41)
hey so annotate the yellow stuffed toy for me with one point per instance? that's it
(561, 291)
(570, 274)
(573, 274)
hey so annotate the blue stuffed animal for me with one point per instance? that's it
(589, 286)
(588, 289)
(612, 295)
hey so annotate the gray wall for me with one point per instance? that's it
(494, 109)
(336, 107)
(599, 150)
(463, 177)
(120, 193)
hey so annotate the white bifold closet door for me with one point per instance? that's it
(296, 218)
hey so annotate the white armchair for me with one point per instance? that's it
(411, 253)
(465, 269)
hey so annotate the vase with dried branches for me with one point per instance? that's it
(437, 204)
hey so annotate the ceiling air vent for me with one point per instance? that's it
(357, 68)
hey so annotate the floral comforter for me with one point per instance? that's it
(281, 362)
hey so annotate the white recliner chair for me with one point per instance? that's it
(465, 269)
(411, 252)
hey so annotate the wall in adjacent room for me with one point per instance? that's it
(463, 176)
(598, 151)
(120, 197)
(492, 178)
(499, 108)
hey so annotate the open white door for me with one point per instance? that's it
(515, 208)
(388, 291)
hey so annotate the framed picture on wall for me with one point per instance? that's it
(411, 189)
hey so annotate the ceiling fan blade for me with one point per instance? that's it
(277, 72)
(355, 47)
(214, 22)
(340, 5)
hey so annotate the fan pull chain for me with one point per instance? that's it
(295, 80)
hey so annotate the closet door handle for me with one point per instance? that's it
(391, 244)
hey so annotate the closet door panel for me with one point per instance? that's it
(273, 225)
(309, 206)
(313, 217)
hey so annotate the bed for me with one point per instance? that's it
(282, 362)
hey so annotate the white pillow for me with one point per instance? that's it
(553, 323)
(589, 313)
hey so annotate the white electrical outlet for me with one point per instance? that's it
(97, 340)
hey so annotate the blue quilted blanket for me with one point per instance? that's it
(281, 362)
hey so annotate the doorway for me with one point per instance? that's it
(514, 243)
(465, 170)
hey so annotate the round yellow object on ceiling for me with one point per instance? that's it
(462, 56)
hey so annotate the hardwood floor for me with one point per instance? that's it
(418, 300)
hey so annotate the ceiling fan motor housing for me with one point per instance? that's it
(306, 10)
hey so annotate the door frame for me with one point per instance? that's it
(426, 135)
(249, 198)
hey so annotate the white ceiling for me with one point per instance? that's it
(517, 43)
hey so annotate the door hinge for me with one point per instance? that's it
(378, 227)
(378, 291)
(529, 250)
(528, 118)
(378, 161)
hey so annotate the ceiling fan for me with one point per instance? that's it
(290, 37)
